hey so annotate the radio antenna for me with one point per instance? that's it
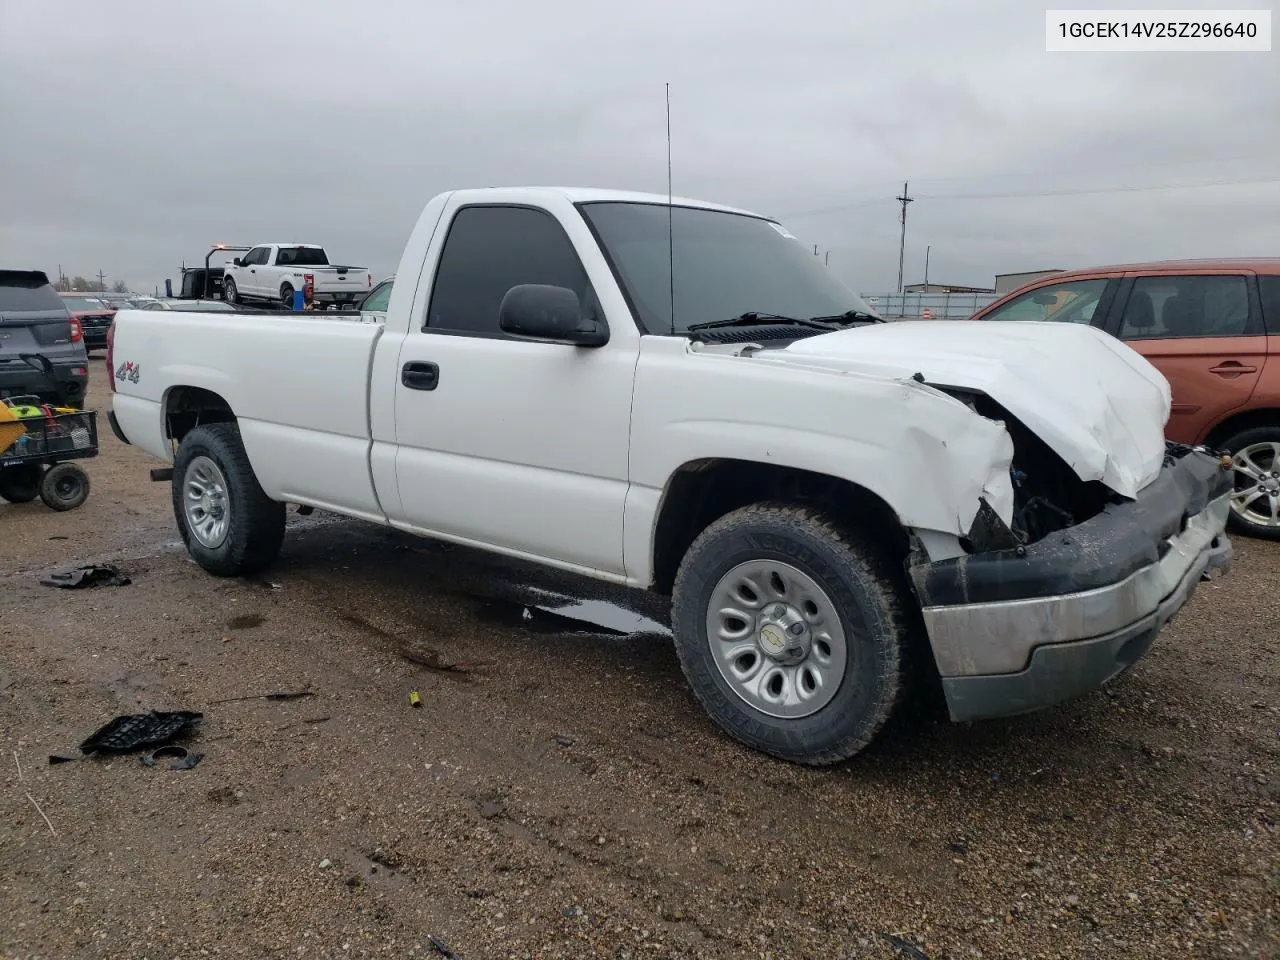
(671, 253)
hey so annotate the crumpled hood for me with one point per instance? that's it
(1097, 403)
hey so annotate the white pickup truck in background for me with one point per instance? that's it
(837, 507)
(274, 271)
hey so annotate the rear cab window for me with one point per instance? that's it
(301, 257)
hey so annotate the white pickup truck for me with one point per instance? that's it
(683, 398)
(275, 271)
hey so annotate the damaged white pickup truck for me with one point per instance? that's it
(681, 397)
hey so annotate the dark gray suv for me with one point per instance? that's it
(34, 320)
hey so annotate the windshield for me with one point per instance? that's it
(301, 257)
(726, 264)
(84, 303)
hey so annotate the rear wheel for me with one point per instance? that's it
(20, 484)
(1255, 502)
(65, 487)
(229, 524)
(791, 629)
(286, 296)
(229, 291)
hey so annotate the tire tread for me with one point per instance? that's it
(875, 569)
(257, 522)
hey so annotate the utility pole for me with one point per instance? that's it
(102, 280)
(926, 267)
(902, 242)
(826, 259)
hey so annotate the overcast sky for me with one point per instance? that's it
(136, 133)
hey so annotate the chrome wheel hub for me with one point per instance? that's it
(205, 502)
(776, 638)
(1256, 498)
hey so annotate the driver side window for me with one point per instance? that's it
(1072, 301)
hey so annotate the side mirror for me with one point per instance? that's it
(535, 311)
(237, 262)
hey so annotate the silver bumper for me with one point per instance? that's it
(1000, 638)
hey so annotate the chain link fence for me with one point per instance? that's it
(940, 306)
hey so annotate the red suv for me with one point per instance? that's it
(1212, 327)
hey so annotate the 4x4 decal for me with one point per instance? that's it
(128, 371)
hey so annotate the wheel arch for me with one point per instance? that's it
(187, 407)
(1239, 421)
(699, 492)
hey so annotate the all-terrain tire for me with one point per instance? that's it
(286, 296)
(254, 530)
(229, 292)
(1259, 438)
(861, 585)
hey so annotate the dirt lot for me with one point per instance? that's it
(559, 793)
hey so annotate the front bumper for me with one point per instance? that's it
(1014, 631)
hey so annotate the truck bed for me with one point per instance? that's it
(265, 366)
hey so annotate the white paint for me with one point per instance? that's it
(562, 454)
(1099, 404)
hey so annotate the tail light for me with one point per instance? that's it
(77, 330)
(111, 342)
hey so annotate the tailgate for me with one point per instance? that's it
(31, 336)
(341, 279)
(50, 336)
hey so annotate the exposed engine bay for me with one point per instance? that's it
(1047, 494)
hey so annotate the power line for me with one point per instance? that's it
(1070, 192)
(1078, 171)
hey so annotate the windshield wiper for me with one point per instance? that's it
(850, 316)
(751, 319)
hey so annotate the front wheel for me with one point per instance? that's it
(1255, 502)
(229, 524)
(792, 630)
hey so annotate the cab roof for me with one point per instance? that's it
(600, 194)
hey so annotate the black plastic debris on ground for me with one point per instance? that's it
(127, 733)
(905, 947)
(92, 575)
(442, 948)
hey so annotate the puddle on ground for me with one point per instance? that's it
(556, 614)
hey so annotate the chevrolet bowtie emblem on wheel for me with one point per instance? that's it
(128, 371)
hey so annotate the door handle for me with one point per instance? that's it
(420, 375)
(1232, 368)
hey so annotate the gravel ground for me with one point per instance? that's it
(559, 793)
